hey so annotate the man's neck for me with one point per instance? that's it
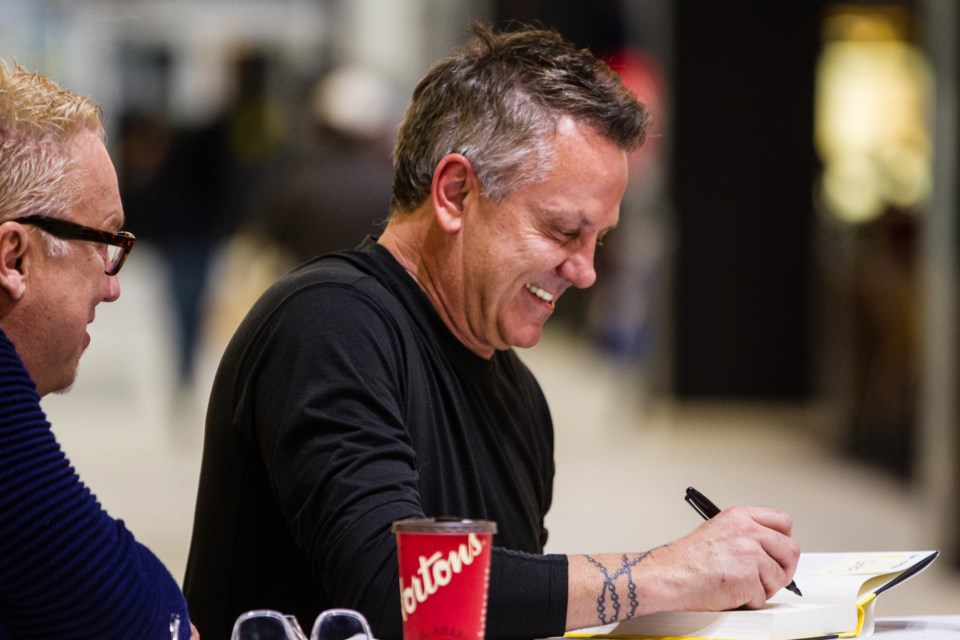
(430, 257)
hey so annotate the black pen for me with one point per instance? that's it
(702, 505)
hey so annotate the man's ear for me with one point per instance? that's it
(14, 242)
(453, 180)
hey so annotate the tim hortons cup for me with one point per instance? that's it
(444, 576)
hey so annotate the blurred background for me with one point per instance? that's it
(775, 319)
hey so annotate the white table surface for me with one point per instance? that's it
(918, 628)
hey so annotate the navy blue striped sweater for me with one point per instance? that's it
(67, 569)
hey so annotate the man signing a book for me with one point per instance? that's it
(381, 384)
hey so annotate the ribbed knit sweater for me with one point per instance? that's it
(67, 569)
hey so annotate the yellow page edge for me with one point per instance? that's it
(628, 636)
(861, 616)
(624, 636)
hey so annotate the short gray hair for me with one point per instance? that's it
(498, 101)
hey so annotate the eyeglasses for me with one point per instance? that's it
(118, 244)
(266, 624)
(333, 624)
(341, 624)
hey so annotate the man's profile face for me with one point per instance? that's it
(64, 290)
(521, 254)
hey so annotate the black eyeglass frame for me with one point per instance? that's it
(66, 230)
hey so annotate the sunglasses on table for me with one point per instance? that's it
(333, 624)
(118, 244)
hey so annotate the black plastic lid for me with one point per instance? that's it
(444, 524)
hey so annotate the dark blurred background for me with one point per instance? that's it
(789, 234)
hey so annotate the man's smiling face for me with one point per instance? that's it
(522, 253)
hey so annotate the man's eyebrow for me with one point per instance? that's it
(586, 222)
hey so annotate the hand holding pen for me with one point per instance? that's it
(707, 510)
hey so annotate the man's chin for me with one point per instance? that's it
(63, 386)
(528, 340)
(63, 390)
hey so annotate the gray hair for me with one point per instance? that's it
(498, 101)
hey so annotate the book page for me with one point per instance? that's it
(822, 589)
(772, 622)
(846, 577)
(871, 563)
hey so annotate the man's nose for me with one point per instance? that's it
(578, 268)
(113, 288)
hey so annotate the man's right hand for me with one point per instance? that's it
(739, 558)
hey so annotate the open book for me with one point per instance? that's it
(839, 590)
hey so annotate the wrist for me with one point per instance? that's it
(608, 588)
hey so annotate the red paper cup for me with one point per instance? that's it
(444, 575)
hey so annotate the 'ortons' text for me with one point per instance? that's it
(436, 572)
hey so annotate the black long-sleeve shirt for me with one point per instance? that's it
(342, 404)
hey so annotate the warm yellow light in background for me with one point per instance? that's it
(873, 88)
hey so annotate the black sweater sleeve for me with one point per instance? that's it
(67, 569)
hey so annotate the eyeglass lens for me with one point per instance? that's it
(114, 254)
(262, 628)
(340, 627)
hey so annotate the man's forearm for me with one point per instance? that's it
(606, 588)
(739, 558)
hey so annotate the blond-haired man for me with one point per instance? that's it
(67, 569)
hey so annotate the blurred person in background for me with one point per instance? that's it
(187, 187)
(331, 186)
(380, 384)
(173, 182)
(67, 569)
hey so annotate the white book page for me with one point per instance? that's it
(870, 563)
(841, 577)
